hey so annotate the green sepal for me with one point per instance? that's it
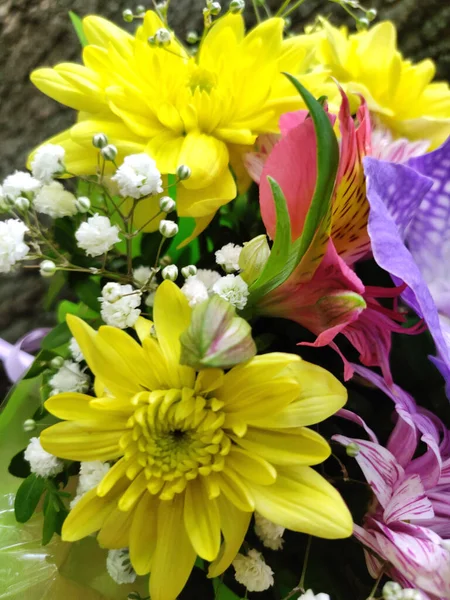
(78, 26)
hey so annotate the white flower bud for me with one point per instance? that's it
(363, 23)
(112, 292)
(237, 6)
(189, 271)
(192, 37)
(57, 362)
(168, 228)
(183, 172)
(352, 449)
(83, 204)
(253, 572)
(109, 152)
(215, 8)
(167, 204)
(100, 140)
(410, 594)
(47, 268)
(140, 10)
(170, 272)
(163, 37)
(391, 590)
(29, 425)
(22, 203)
(127, 15)
(371, 14)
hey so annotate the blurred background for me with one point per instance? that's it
(37, 33)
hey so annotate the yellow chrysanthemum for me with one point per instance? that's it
(399, 92)
(204, 111)
(196, 453)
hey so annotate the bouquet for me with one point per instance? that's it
(247, 241)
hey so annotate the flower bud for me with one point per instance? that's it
(168, 228)
(167, 204)
(215, 8)
(216, 337)
(170, 272)
(165, 260)
(29, 425)
(99, 140)
(352, 449)
(163, 37)
(140, 10)
(183, 172)
(363, 23)
(83, 204)
(22, 203)
(57, 362)
(127, 15)
(189, 271)
(237, 6)
(151, 40)
(47, 268)
(112, 292)
(371, 14)
(253, 258)
(410, 594)
(192, 37)
(109, 152)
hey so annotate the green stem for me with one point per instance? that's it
(293, 7)
(282, 8)
(159, 252)
(255, 8)
(301, 583)
(375, 587)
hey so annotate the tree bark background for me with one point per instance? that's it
(37, 33)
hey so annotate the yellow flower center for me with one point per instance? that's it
(202, 79)
(174, 436)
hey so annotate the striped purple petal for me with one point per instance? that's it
(408, 502)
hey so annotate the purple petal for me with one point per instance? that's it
(408, 502)
(379, 466)
(389, 251)
(351, 416)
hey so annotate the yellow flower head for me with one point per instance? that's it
(399, 92)
(204, 112)
(195, 453)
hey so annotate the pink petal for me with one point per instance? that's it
(408, 502)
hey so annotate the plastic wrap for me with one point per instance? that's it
(28, 570)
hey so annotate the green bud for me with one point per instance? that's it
(253, 258)
(47, 268)
(192, 37)
(371, 14)
(127, 15)
(109, 152)
(22, 203)
(57, 362)
(237, 6)
(352, 449)
(363, 23)
(170, 272)
(183, 172)
(216, 337)
(140, 10)
(29, 425)
(215, 8)
(189, 271)
(391, 590)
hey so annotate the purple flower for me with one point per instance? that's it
(409, 228)
(410, 516)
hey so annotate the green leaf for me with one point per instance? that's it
(54, 515)
(78, 26)
(70, 308)
(56, 284)
(190, 253)
(57, 337)
(327, 166)
(89, 291)
(28, 496)
(41, 362)
(19, 467)
(222, 592)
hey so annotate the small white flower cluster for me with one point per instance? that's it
(119, 566)
(19, 184)
(48, 162)
(42, 463)
(138, 176)
(394, 591)
(141, 276)
(233, 289)
(228, 257)
(120, 305)
(12, 245)
(69, 378)
(54, 200)
(252, 571)
(309, 595)
(269, 533)
(96, 236)
(75, 350)
(199, 287)
(90, 475)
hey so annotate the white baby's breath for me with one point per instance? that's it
(195, 290)
(69, 378)
(75, 350)
(54, 200)
(228, 257)
(48, 162)
(269, 533)
(119, 567)
(120, 305)
(233, 289)
(252, 571)
(208, 277)
(138, 176)
(96, 236)
(12, 245)
(20, 183)
(42, 463)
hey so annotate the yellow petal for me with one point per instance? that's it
(172, 315)
(76, 441)
(206, 201)
(235, 490)
(302, 500)
(174, 556)
(72, 406)
(300, 445)
(115, 531)
(147, 214)
(206, 156)
(202, 520)
(89, 514)
(115, 474)
(143, 534)
(234, 524)
(143, 328)
(134, 492)
(165, 149)
(320, 396)
(103, 360)
(124, 140)
(251, 466)
(102, 32)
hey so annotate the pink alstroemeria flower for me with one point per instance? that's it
(324, 294)
(404, 530)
